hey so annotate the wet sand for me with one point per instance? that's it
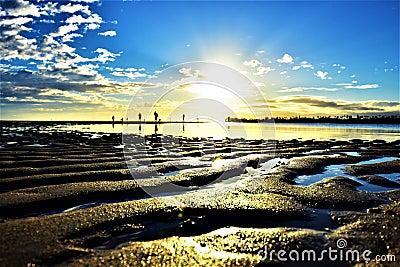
(68, 198)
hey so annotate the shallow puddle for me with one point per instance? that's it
(338, 170)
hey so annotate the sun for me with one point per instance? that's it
(213, 91)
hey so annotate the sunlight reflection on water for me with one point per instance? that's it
(282, 131)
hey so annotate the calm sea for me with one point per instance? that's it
(279, 131)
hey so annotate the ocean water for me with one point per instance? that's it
(279, 131)
(218, 130)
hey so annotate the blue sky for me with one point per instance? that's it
(60, 60)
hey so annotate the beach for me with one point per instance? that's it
(199, 133)
(78, 198)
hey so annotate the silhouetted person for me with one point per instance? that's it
(122, 120)
(140, 116)
(183, 117)
(113, 118)
(155, 115)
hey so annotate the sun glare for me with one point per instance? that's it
(215, 92)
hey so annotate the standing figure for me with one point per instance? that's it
(183, 117)
(113, 118)
(155, 115)
(140, 116)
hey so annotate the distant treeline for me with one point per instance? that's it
(359, 119)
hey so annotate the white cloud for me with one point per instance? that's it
(23, 8)
(12, 31)
(338, 65)
(322, 75)
(92, 26)
(309, 104)
(50, 9)
(78, 19)
(15, 21)
(259, 84)
(73, 8)
(353, 85)
(283, 72)
(259, 67)
(130, 75)
(105, 55)
(288, 59)
(260, 71)
(252, 63)
(56, 63)
(16, 46)
(86, 1)
(340, 68)
(362, 86)
(108, 33)
(302, 89)
(306, 65)
(47, 21)
(73, 97)
(65, 29)
(68, 38)
(186, 71)
(342, 84)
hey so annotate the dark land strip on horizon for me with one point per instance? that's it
(324, 119)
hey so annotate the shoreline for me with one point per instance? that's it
(277, 131)
(97, 122)
(7, 122)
